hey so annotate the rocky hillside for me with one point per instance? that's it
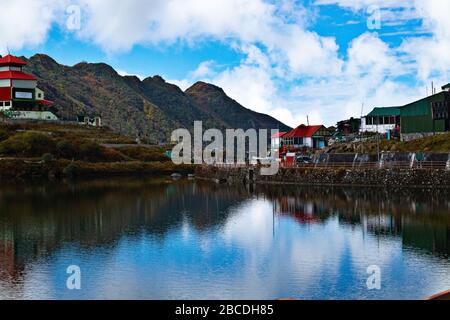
(151, 108)
(214, 101)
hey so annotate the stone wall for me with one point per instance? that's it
(414, 136)
(314, 176)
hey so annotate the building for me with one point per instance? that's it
(306, 137)
(347, 127)
(20, 98)
(418, 119)
(94, 121)
(382, 120)
(427, 116)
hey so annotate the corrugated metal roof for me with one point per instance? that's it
(385, 112)
(303, 132)
(16, 75)
(11, 60)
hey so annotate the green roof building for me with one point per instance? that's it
(421, 118)
(426, 116)
(382, 120)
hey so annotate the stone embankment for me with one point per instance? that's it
(328, 176)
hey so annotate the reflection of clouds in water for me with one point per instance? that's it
(216, 244)
(252, 224)
(315, 253)
(36, 284)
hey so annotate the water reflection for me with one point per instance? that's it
(421, 217)
(170, 240)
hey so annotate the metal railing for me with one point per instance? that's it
(416, 165)
(372, 165)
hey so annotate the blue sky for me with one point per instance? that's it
(290, 59)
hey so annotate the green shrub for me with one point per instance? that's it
(70, 170)
(4, 135)
(29, 144)
(67, 149)
(145, 154)
(47, 158)
(111, 155)
(91, 151)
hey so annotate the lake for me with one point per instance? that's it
(163, 239)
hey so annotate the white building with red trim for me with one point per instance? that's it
(19, 95)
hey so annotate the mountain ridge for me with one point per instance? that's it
(150, 108)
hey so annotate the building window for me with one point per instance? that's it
(8, 104)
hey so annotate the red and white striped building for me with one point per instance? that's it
(18, 90)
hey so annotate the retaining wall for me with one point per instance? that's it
(435, 178)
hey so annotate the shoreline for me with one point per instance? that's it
(382, 178)
(32, 169)
(323, 185)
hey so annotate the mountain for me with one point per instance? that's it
(214, 101)
(151, 108)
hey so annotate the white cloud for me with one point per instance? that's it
(362, 78)
(205, 69)
(363, 4)
(429, 53)
(26, 23)
(289, 71)
(368, 54)
(125, 73)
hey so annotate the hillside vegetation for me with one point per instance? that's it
(149, 108)
(42, 150)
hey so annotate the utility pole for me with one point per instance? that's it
(378, 139)
(360, 129)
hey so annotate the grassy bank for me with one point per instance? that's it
(53, 151)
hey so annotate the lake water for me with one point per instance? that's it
(138, 239)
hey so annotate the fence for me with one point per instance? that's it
(362, 162)
(372, 165)
(437, 165)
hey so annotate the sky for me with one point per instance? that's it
(327, 60)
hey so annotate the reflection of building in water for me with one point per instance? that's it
(430, 238)
(35, 222)
(302, 211)
(419, 218)
(382, 224)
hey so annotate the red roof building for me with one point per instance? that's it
(303, 132)
(18, 90)
(16, 75)
(10, 60)
(306, 137)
